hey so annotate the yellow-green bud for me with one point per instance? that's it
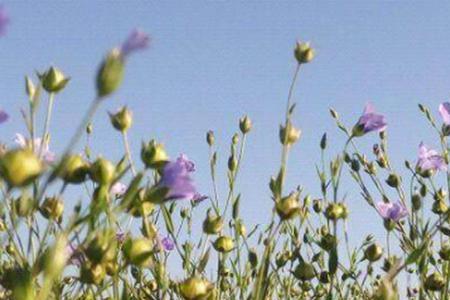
(328, 242)
(74, 169)
(24, 205)
(439, 207)
(53, 80)
(444, 252)
(102, 171)
(288, 207)
(92, 274)
(303, 53)
(304, 271)
(153, 155)
(224, 244)
(122, 120)
(102, 247)
(89, 128)
(212, 224)
(373, 253)
(210, 139)
(416, 200)
(335, 211)
(289, 134)
(240, 228)
(138, 251)
(245, 124)
(434, 282)
(52, 208)
(30, 89)
(393, 180)
(20, 167)
(232, 163)
(317, 205)
(195, 288)
(110, 73)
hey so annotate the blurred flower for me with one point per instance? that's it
(369, 121)
(74, 255)
(391, 211)
(444, 111)
(4, 20)
(430, 159)
(167, 244)
(121, 236)
(118, 189)
(24, 143)
(176, 178)
(3, 116)
(199, 198)
(137, 40)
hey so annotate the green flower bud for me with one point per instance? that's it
(110, 74)
(195, 288)
(112, 268)
(416, 201)
(439, 207)
(224, 244)
(52, 208)
(389, 224)
(440, 195)
(212, 224)
(317, 205)
(386, 291)
(30, 89)
(324, 277)
(373, 253)
(235, 139)
(245, 124)
(102, 171)
(89, 128)
(288, 207)
(304, 271)
(24, 206)
(240, 228)
(122, 120)
(210, 138)
(20, 167)
(92, 274)
(393, 180)
(53, 80)
(153, 155)
(335, 211)
(232, 163)
(328, 242)
(444, 252)
(303, 53)
(74, 169)
(138, 251)
(102, 247)
(289, 134)
(434, 282)
(139, 208)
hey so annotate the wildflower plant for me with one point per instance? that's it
(139, 217)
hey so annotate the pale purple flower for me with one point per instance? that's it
(369, 121)
(4, 20)
(3, 116)
(121, 236)
(167, 244)
(199, 198)
(75, 257)
(444, 111)
(47, 155)
(430, 159)
(137, 40)
(176, 178)
(118, 189)
(391, 211)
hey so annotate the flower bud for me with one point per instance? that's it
(102, 171)
(439, 207)
(224, 244)
(245, 124)
(92, 274)
(373, 253)
(235, 139)
(122, 120)
(138, 251)
(440, 195)
(74, 169)
(304, 271)
(416, 201)
(335, 211)
(434, 282)
(153, 155)
(288, 207)
(303, 53)
(210, 138)
(317, 205)
(328, 242)
(52, 208)
(393, 180)
(20, 167)
(212, 224)
(444, 252)
(24, 206)
(240, 228)
(232, 163)
(195, 288)
(53, 80)
(89, 128)
(102, 246)
(110, 74)
(30, 89)
(389, 224)
(289, 134)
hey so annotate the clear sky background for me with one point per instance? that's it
(211, 62)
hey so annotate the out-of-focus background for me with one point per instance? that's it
(210, 62)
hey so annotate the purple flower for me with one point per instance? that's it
(176, 178)
(3, 116)
(391, 211)
(121, 236)
(4, 20)
(118, 189)
(167, 244)
(199, 198)
(369, 121)
(429, 159)
(46, 154)
(137, 40)
(444, 111)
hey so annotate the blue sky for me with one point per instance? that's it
(211, 62)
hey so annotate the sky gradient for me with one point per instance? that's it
(210, 62)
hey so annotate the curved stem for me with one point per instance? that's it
(128, 152)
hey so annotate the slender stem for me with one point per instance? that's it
(45, 134)
(128, 152)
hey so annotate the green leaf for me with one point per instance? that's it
(416, 254)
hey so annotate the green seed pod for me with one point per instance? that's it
(328, 242)
(434, 282)
(138, 251)
(232, 163)
(245, 124)
(24, 206)
(303, 53)
(416, 201)
(304, 271)
(122, 120)
(373, 253)
(92, 274)
(223, 244)
(102, 171)
(210, 139)
(288, 207)
(444, 252)
(393, 180)
(74, 169)
(102, 247)
(289, 135)
(334, 211)
(439, 207)
(195, 288)
(317, 205)
(153, 155)
(20, 167)
(52, 208)
(53, 80)
(212, 224)
(110, 74)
